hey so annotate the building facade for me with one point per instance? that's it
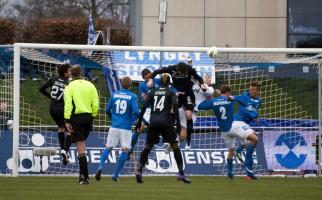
(229, 23)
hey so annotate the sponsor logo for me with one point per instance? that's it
(165, 163)
(294, 157)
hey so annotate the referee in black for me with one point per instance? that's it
(162, 101)
(81, 106)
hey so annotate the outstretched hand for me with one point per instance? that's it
(69, 127)
(203, 87)
(180, 93)
(230, 98)
(138, 126)
(150, 83)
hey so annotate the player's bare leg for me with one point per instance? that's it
(183, 133)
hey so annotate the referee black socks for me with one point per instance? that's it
(83, 165)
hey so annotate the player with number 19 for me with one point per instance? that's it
(122, 107)
(56, 94)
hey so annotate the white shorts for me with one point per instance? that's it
(147, 114)
(119, 136)
(239, 130)
(183, 119)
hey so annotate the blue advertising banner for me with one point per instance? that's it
(206, 157)
(131, 63)
(275, 150)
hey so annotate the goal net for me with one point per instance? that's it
(288, 128)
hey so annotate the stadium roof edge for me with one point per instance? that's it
(158, 48)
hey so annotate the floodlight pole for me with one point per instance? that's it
(161, 41)
(162, 21)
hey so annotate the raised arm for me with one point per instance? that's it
(145, 105)
(205, 105)
(135, 107)
(174, 102)
(143, 91)
(163, 70)
(44, 86)
(193, 73)
(240, 99)
(209, 92)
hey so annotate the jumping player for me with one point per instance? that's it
(182, 74)
(231, 130)
(200, 96)
(56, 110)
(162, 101)
(224, 111)
(143, 92)
(248, 111)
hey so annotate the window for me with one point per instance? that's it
(304, 23)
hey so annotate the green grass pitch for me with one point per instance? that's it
(163, 188)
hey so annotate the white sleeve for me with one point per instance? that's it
(209, 92)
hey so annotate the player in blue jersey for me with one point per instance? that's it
(143, 92)
(224, 111)
(248, 111)
(121, 107)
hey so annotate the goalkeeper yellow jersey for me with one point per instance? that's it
(80, 97)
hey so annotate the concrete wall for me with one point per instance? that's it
(233, 23)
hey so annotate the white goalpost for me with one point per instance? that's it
(290, 128)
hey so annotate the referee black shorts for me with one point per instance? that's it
(168, 134)
(82, 124)
(57, 113)
(187, 100)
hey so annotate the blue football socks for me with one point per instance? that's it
(230, 166)
(249, 158)
(240, 148)
(120, 164)
(104, 157)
